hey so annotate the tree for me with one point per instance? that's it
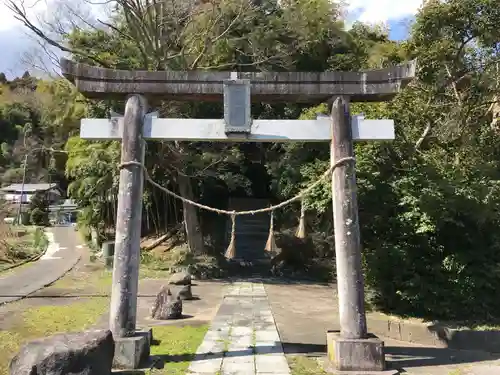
(39, 210)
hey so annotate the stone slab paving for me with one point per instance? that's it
(243, 338)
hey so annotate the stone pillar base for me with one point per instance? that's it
(356, 356)
(132, 352)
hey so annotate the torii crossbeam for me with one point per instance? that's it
(350, 350)
(292, 87)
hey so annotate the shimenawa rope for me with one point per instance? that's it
(301, 194)
(230, 252)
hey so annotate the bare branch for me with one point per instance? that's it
(21, 15)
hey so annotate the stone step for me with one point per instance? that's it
(252, 231)
(251, 242)
(251, 234)
(258, 224)
(250, 252)
(251, 222)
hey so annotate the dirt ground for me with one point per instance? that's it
(90, 280)
(201, 310)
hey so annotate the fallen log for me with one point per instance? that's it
(172, 232)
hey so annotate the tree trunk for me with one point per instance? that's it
(191, 223)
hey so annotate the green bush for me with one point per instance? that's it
(40, 241)
(39, 217)
(430, 239)
(39, 210)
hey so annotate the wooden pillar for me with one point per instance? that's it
(123, 308)
(350, 281)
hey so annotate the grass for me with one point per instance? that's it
(177, 347)
(42, 321)
(47, 320)
(20, 243)
(301, 365)
(147, 272)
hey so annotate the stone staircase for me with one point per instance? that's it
(251, 230)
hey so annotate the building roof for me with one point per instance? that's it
(28, 188)
(65, 206)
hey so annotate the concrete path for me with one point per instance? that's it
(305, 311)
(63, 253)
(243, 338)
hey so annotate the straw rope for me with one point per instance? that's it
(297, 197)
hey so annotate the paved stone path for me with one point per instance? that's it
(63, 253)
(243, 339)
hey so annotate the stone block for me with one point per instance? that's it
(238, 366)
(271, 364)
(166, 306)
(185, 293)
(180, 278)
(149, 333)
(267, 335)
(85, 353)
(205, 366)
(355, 354)
(132, 352)
(241, 331)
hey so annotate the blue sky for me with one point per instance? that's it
(398, 29)
(14, 42)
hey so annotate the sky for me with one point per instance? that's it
(15, 40)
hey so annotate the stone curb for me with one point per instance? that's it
(434, 334)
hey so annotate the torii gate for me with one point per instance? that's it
(350, 350)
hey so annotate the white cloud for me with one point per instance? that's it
(370, 11)
(13, 39)
(16, 40)
(32, 7)
(43, 11)
(375, 11)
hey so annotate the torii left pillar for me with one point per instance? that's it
(131, 346)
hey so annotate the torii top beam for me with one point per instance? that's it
(303, 87)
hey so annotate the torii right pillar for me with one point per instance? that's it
(351, 348)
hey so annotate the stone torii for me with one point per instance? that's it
(351, 349)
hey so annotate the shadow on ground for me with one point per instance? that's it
(271, 280)
(402, 356)
(396, 357)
